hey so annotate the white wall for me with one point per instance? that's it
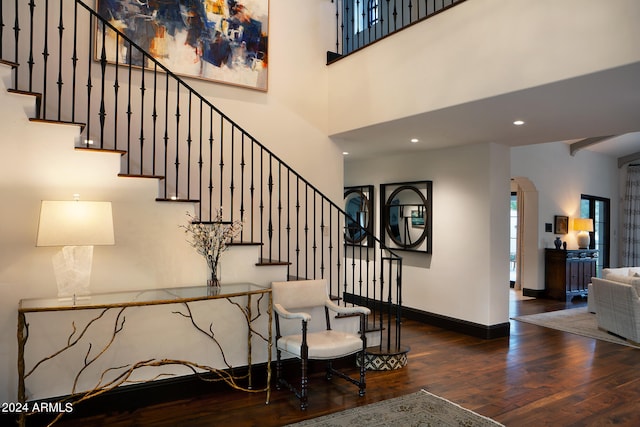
(467, 275)
(37, 162)
(478, 48)
(560, 180)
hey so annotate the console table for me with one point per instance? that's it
(120, 301)
(568, 273)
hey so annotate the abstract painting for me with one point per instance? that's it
(220, 40)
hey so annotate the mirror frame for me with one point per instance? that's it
(366, 192)
(388, 192)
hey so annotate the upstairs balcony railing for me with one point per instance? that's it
(362, 22)
(165, 130)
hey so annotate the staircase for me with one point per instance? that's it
(164, 131)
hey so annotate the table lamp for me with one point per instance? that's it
(77, 226)
(583, 226)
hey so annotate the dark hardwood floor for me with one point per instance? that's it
(535, 377)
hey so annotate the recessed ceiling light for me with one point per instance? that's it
(414, 140)
(345, 153)
(518, 122)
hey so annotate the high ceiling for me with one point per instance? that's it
(600, 104)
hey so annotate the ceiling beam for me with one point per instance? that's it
(628, 159)
(584, 143)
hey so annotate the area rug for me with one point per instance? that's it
(574, 320)
(417, 409)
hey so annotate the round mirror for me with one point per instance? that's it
(357, 207)
(406, 213)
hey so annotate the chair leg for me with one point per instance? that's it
(329, 367)
(363, 369)
(278, 368)
(304, 385)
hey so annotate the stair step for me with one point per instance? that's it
(37, 95)
(101, 150)
(9, 63)
(268, 262)
(133, 175)
(177, 200)
(59, 122)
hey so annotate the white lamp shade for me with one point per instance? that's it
(75, 223)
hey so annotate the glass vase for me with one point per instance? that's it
(212, 278)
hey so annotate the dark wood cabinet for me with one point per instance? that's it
(567, 273)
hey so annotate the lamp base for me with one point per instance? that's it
(583, 240)
(72, 267)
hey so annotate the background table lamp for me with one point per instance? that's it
(77, 226)
(583, 226)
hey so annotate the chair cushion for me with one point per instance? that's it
(322, 345)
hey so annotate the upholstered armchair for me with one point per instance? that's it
(618, 308)
(305, 303)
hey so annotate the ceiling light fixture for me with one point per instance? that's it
(345, 153)
(518, 122)
(414, 140)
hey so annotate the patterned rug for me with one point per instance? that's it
(420, 409)
(574, 320)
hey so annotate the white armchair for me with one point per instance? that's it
(618, 308)
(294, 301)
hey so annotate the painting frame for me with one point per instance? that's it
(560, 224)
(222, 41)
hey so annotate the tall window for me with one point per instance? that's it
(598, 208)
(365, 14)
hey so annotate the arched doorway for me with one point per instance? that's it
(526, 253)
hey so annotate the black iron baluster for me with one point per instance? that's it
(45, 59)
(116, 89)
(221, 162)
(288, 223)
(306, 230)
(200, 160)
(270, 199)
(348, 19)
(395, 15)
(261, 206)
(154, 119)
(231, 180)
(30, 61)
(322, 228)
(339, 31)
(103, 66)
(280, 211)
(143, 92)
(2, 31)
(210, 167)
(252, 195)
(129, 111)
(177, 161)
(297, 226)
(74, 61)
(189, 141)
(166, 138)
(398, 328)
(242, 171)
(16, 40)
(330, 247)
(314, 242)
(60, 81)
(89, 86)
